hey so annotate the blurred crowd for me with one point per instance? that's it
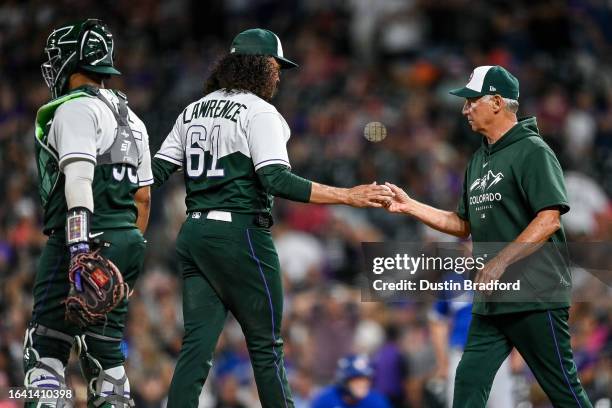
(391, 61)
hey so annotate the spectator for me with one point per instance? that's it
(353, 387)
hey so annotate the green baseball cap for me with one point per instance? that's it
(258, 41)
(490, 80)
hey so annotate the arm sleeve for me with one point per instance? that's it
(278, 180)
(542, 181)
(267, 139)
(74, 131)
(462, 207)
(79, 176)
(162, 170)
(172, 150)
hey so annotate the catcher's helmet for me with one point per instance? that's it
(353, 366)
(86, 45)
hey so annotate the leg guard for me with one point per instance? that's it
(104, 390)
(43, 372)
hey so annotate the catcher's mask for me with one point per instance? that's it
(86, 45)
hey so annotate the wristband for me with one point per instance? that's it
(79, 248)
(77, 226)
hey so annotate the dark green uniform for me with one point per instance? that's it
(92, 154)
(231, 147)
(78, 126)
(506, 184)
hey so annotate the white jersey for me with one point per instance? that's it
(77, 119)
(221, 140)
(83, 127)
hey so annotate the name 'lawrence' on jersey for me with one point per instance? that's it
(220, 141)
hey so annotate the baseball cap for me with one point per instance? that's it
(489, 80)
(351, 366)
(258, 41)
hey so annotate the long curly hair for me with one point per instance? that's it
(239, 73)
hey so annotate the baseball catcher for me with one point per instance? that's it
(94, 170)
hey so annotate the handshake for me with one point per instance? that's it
(389, 196)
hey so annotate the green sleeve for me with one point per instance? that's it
(462, 207)
(162, 169)
(542, 181)
(280, 182)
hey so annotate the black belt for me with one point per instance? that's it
(261, 220)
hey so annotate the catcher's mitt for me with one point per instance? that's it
(96, 288)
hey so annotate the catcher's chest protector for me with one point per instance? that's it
(124, 149)
(46, 157)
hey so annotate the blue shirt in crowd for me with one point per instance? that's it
(331, 397)
(459, 314)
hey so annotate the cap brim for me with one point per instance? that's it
(102, 70)
(285, 63)
(466, 93)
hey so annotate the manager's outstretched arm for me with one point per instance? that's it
(445, 221)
